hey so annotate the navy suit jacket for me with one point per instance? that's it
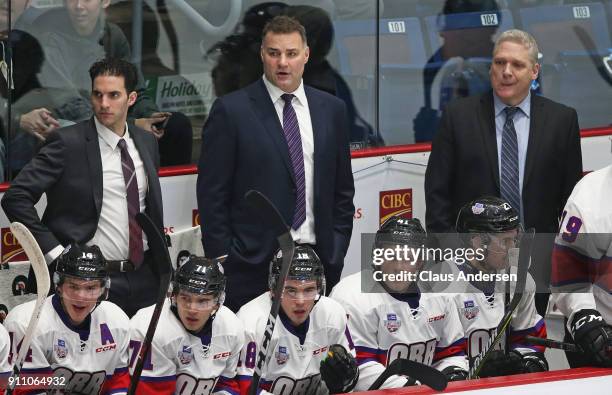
(244, 148)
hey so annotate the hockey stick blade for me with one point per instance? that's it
(523, 266)
(43, 282)
(550, 343)
(161, 259)
(272, 218)
(423, 373)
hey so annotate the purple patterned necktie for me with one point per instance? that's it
(294, 142)
(509, 177)
(136, 251)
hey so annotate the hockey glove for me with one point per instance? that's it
(339, 370)
(593, 336)
(454, 373)
(534, 362)
(501, 364)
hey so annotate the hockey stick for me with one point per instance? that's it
(418, 371)
(523, 266)
(161, 259)
(39, 266)
(550, 343)
(271, 217)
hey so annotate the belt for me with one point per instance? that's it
(120, 266)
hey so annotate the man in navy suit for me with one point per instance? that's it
(288, 141)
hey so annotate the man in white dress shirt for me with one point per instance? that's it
(87, 173)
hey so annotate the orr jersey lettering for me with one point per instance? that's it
(184, 363)
(92, 358)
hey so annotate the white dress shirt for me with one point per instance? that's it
(306, 232)
(112, 234)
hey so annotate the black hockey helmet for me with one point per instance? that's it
(401, 231)
(201, 276)
(487, 214)
(84, 263)
(305, 266)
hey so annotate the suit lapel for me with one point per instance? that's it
(317, 118)
(536, 123)
(487, 129)
(94, 161)
(264, 108)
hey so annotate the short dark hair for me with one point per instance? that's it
(117, 68)
(283, 24)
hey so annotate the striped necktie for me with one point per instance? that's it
(294, 142)
(509, 177)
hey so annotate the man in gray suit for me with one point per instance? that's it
(507, 143)
(97, 174)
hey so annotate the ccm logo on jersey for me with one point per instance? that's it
(222, 355)
(106, 347)
(436, 318)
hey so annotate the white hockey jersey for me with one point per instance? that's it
(92, 358)
(184, 363)
(5, 347)
(424, 329)
(480, 314)
(297, 352)
(582, 256)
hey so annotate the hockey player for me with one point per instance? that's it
(582, 271)
(80, 336)
(490, 227)
(395, 320)
(310, 338)
(197, 341)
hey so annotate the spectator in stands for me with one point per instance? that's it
(469, 45)
(507, 143)
(30, 121)
(153, 68)
(74, 37)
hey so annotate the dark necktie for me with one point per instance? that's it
(136, 251)
(294, 142)
(509, 177)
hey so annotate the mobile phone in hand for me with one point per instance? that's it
(162, 124)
